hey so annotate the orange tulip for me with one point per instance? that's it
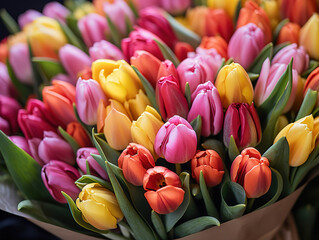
(76, 131)
(59, 98)
(289, 33)
(252, 13)
(217, 42)
(196, 19)
(3, 50)
(312, 81)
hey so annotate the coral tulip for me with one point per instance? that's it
(289, 33)
(312, 81)
(79, 134)
(217, 43)
(167, 68)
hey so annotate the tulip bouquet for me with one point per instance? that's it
(159, 119)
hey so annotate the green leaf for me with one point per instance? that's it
(233, 150)
(278, 29)
(183, 34)
(253, 76)
(129, 26)
(229, 61)
(110, 154)
(167, 52)
(48, 66)
(133, 8)
(24, 170)
(315, 112)
(72, 38)
(194, 226)
(114, 32)
(158, 225)
(209, 204)
(9, 22)
(197, 126)
(308, 104)
(75, 146)
(267, 52)
(87, 166)
(171, 219)
(233, 201)
(313, 64)
(72, 23)
(86, 179)
(237, 11)
(148, 88)
(188, 94)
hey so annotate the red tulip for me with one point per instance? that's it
(181, 50)
(164, 193)
(252, 171)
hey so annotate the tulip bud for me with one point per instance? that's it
(312, 81)
(76, 131)
(301, 137)
(172, 138)
(164, 190)
(53, 147)
(134, 161)
(93, 28)
(105, 50)
(196, 19)
(56, 10)
(289, 33)
(206, 103)
(211, 164)
(58, 176)
(46, 37)
(28, 17)
(245, 45)
(117, 121)
(9, 108)
(175, 7)
(153, 20)
(59, 98)
(21, 142)
(252, 171)
(83, 155)
(234, 85)
(242, 122)
(99, 207)
(268, 78)
(145, 128)
(217, 43)
(141, 39)
(147, 64)
(69, 55)
(88, 95)
(167, 68)
(7, 88)
(170, 98)
(136, 106)
(19, 59)
(252, 13)
(309, 36)
(299, 56)
(181, 50)
(34, 149)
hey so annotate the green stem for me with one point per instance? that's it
(250, 204)
(178, 169)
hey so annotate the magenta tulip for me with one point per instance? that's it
(105, 50)
(246, 44)
(170, 99)
(56, 10)
(58, 176)
(21, 142)
(299, 55)
(9, 108)
(7, 88)
(34, 149)
(242, 122)
(175, 7)
(206, 103)
(28, 17)
(141, 4)
(83, 155)
(176, 141)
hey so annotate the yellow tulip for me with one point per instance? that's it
(145, 128)
(117, 127)
(46, 37)
(228, 5)
(99, 207)
(136, 106)
(309, 36)
(234, 85)
(117, 79)
(271, 8)
(83, 10)
(301, 136)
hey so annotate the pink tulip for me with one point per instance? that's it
(268, 78)
(242, 122)
(153, 20)
(299, 55)
(21, 142)
(175, 7)
(58, 176)
(56, 10)
(170, 99)
(167, 68)
(141, 4)
(28, 17)
(7, 88)
(19, 59)
(105, 50)
(53, 147)
(9, 108)
(93, 28)
(34, 149)
(74, 60)
(141, 39)
(88, 95)
(62, 77)
(176, 141)
(246, 44)
(206, 103)
(83, 156)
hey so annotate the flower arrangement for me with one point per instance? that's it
(160, 119)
